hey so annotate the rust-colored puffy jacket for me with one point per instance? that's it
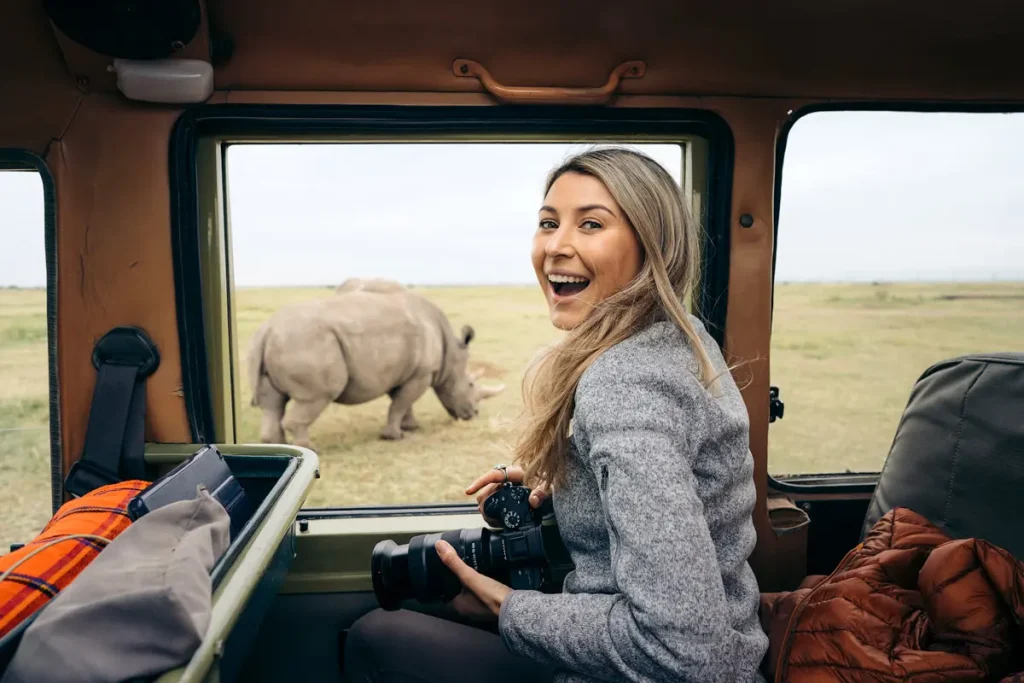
(908, 604)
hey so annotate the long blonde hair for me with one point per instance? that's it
(670, 238)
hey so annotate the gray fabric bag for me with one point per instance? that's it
(139, 609)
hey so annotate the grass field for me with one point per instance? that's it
(24, 410)
(845, 357)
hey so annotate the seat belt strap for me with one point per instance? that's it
(115, 436)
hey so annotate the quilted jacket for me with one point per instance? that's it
(908, 604)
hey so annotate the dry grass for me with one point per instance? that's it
(24, 411)
(845, 357)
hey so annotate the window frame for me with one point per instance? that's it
(201, 234)
(840, 483)
(14, 159)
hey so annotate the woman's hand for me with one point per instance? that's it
(490, 482)
(481, 597)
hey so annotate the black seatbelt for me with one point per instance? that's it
(115, 437)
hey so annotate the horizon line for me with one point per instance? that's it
(1017, 279)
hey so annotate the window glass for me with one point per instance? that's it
(900, 244)
(453, 223)
(24, 377)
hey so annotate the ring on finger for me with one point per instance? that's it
(504, 471)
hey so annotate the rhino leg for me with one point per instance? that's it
(270, 427)
(272, 403)
(303, 414)
(409, 423)
(402, 399)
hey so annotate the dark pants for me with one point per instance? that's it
(389, 647)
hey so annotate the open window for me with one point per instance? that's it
(287, 215)
(900, 243)
(28, 447)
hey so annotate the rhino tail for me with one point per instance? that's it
(254, 362)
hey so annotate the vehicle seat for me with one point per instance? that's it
(958, 454)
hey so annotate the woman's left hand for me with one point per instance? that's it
(481, 596)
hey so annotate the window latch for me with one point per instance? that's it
(775, 405)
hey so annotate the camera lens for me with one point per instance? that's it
(414, 570)
(389, 568)
(426, 571)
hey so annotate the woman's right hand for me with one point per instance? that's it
(490, 482)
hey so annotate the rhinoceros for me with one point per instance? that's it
(371, 338)
(378, 285)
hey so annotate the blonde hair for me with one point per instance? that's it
(669, 237)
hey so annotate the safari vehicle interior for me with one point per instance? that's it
(145, 131)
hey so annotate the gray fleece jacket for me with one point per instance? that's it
(656, 514)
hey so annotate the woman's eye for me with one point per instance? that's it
(590, 225)
(548, 225)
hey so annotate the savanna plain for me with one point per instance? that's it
(844, 355)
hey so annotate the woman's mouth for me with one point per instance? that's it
(567, 285)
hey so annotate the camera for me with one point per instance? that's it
(525, 553)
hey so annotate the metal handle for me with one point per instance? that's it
(467, 68)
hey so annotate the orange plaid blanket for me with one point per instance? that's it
(38, 579)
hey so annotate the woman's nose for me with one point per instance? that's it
(560, 243)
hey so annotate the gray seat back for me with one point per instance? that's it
(958, 454)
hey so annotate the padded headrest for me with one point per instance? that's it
(958, 454)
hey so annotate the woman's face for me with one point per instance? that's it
(584, 250)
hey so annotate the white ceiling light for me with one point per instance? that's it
(172, 81)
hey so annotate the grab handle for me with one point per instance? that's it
(467, 68)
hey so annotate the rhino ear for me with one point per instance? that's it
(467, 334)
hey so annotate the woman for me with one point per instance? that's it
(636, 427)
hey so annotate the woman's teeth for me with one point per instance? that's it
(567, 285)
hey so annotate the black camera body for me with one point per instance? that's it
(522, 541)
(525, 553)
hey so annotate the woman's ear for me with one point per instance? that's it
(467, 334)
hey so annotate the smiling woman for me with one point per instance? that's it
(584, 250)
(638, 432)
(640, 260)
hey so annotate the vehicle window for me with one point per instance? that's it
(452, 223)
(900, 244)
(24, 377)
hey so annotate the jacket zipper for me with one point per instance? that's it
(787, 643)
(608, 520)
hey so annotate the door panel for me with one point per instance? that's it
(329, 587)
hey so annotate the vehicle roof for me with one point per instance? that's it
(837, 49)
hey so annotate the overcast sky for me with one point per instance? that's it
(865, 196)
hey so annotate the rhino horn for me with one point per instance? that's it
(475, 375)
(488, 392)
